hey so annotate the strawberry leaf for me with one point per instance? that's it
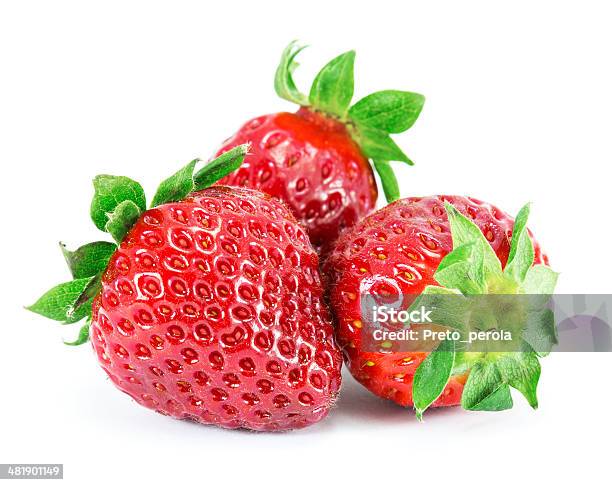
(221, 166)
(85, 299)
(521, 254)
(176, 187)
(500, 400)
(89, 259)
(389, 111)
(448, 306)
(121, 220)
(109, 192)
(463, 269)
(378, 145)
(79, 312)
(332, 89)
(539, 279)
(485, 389)
(540, 331)
(82, 337)
(59, 300)
(381, 149)
(432, 375)
(464, 231)
(521, 370)
(283, 79)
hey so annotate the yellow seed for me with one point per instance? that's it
(382, 256)
(357, 323)
(386, 344)
(369, 363)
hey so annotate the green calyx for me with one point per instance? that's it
(371, 120)
(117, 204)
(476, 297)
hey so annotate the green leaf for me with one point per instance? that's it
(121, 220)
(332, 89)
(432, 375)
(541, 331)
(463, 269)
(389, 111)
(381, 149)
(221, 166)
(464, 231)
(283, 79)
(500, 400)
(521, 254)
(56, 302)
(447, 305)
(485, 389)
(82, 337)
(521, 370)
(388, 180)
(378, 145)
(85, 299)
(176, 187)
(109, 192)
(539, 279)
(520, 224)
(79, 312)
(89, 259)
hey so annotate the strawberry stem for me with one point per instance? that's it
(370, 121)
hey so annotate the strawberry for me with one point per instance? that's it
(317, 159)
(454, 249)
(210, 307)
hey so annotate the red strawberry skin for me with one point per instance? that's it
(401, 246)
(212, 310)
(311, 162)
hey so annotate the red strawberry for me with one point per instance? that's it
(210, 308)
(316, 159)
(402, 249)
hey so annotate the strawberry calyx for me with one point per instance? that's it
(118, 202)
(370, 121)
(476, 295)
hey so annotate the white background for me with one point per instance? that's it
(519, 103)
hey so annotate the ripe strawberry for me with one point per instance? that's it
(210, 308)
(411, 248)
(316, 159)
